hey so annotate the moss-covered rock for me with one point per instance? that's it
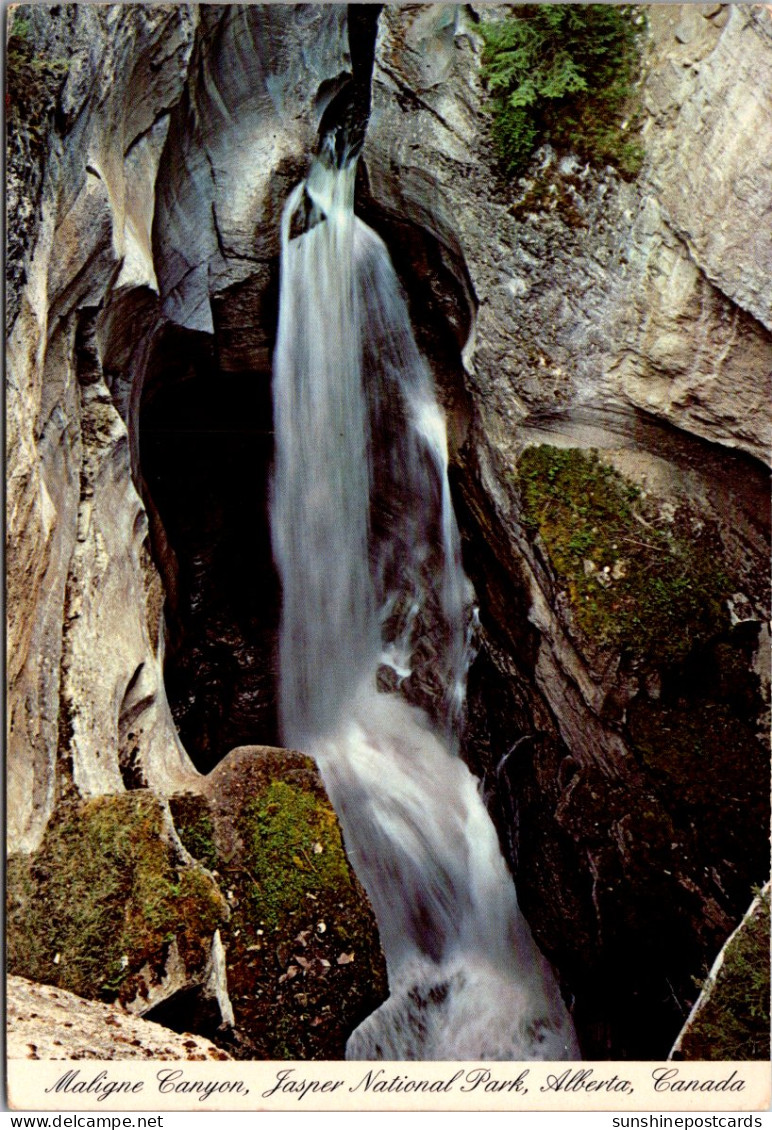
(97, 908)
(304, 958)
(193, 823)
(711, 771)
(731, 1020)
(34, 77)
(111, 907)
(636, 580)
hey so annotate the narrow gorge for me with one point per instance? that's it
(325, 432)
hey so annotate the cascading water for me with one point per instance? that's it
(368, 552)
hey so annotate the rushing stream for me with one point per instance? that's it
(368, 552)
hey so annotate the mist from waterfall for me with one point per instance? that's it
(368, 552)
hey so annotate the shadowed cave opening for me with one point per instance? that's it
(206, 443)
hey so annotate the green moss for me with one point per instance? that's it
(20, 28)
(304, 961)
(293, 848)
(733, 1024)
(565, 73)
(193, 821)
(105, 896)
(34, 77)
(634, 581)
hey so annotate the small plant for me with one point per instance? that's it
(20, 28)
(193, 822)
(565, 73)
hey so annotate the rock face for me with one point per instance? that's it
(86, 704)
(255, 94)
(591, 288)
(150, 154)
(639, 782)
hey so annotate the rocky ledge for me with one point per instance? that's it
(48, 1023)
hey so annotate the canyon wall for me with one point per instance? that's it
(150, 154)
(85, 697)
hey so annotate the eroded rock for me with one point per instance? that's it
(160, 156)
(86, 697)
(585, 286)
(112, 907)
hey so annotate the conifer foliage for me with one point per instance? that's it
(565, 73)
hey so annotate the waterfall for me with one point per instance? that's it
(374, 601)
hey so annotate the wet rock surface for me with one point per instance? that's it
(640, 782)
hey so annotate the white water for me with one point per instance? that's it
(369, 556)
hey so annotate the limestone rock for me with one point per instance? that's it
(583, 286)
(712, 188)
(86, 699)
(648, 766)
(48, 1023)
(256, 94)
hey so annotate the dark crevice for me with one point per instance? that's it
(136, 702)
(217, 232)
(206, 448)
(414, 100)
(344, 122)
(191, 1009)
(164, 113)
